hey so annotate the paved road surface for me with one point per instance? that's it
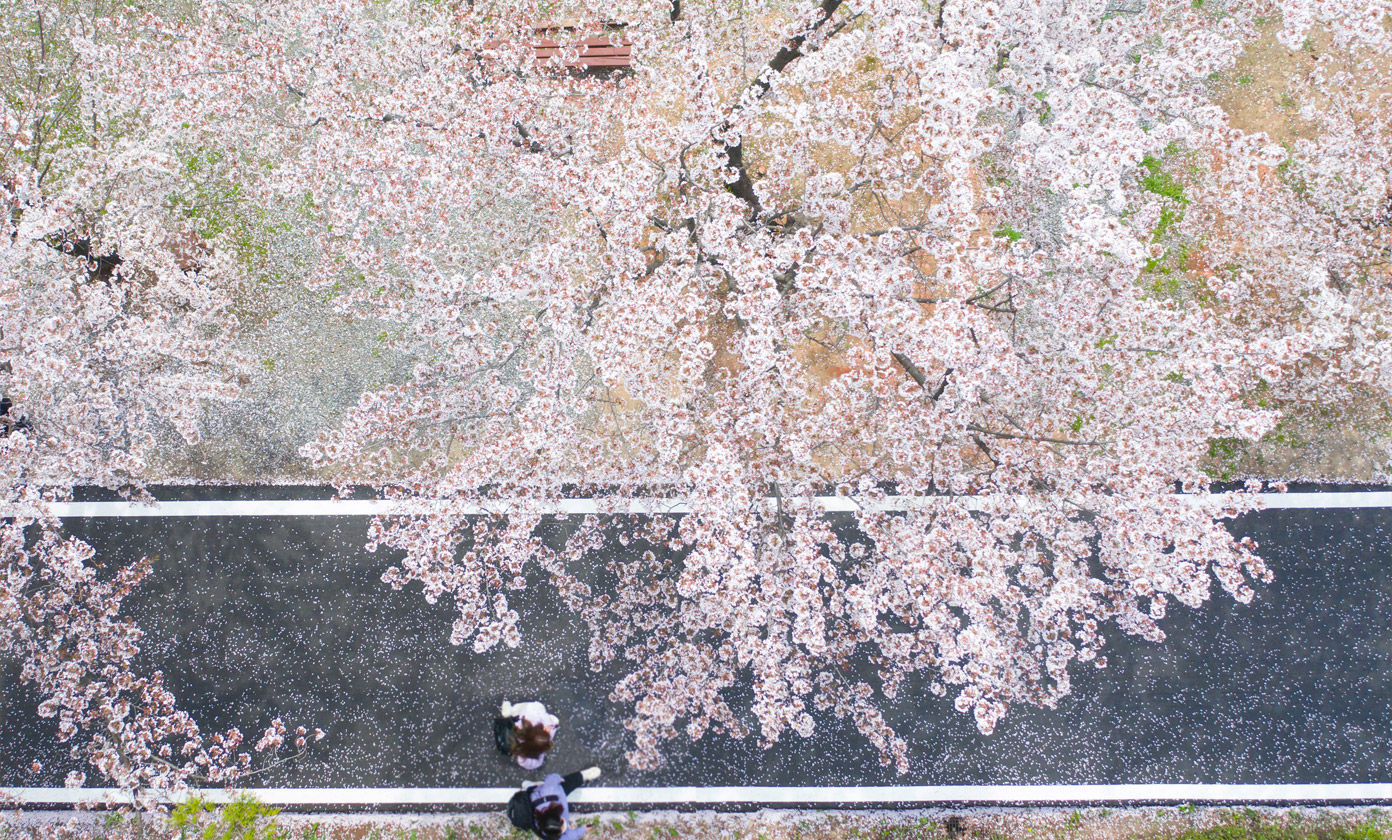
(255, 617)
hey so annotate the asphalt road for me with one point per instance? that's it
(250, 618)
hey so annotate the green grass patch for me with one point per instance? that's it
(248, 819)
(1253, 826)
(1224, 454)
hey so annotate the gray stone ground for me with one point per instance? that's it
(312, 364)
(255, 617)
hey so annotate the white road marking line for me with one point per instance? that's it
(1307, 501)
(361, 507)
(677, 796)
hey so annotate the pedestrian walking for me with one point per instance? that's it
(525, 732)
(542, 807)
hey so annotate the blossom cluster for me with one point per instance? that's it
(61, 623)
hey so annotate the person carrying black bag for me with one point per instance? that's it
(542, 807)
(524, 732)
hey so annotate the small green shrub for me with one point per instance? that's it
(1224, 452)
(244, 818)
(1169, 217)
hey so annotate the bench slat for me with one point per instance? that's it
(590, 53)
(588, 42)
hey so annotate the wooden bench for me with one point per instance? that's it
(606, 49)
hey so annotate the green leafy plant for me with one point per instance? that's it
(1251, 825)
(244, 818)
(1169, 217)
(1161, 182)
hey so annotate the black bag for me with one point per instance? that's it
(502, 733)
(519, 810)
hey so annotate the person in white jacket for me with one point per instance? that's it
(525, 731)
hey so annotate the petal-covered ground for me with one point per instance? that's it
(251, 618)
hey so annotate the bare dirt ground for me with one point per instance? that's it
(1345, 443)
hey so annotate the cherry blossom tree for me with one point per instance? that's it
(836, 248)
(987, 278)
(113, 331)
(115, 319)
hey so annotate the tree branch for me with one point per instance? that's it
(99, 267)
(918, 376)
(942, 386)
(981, 444)
(1035, 438)
(743, 186)
(911, 369)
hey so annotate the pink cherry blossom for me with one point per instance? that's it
(1009, 259)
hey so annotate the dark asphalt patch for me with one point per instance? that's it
(252, 618)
